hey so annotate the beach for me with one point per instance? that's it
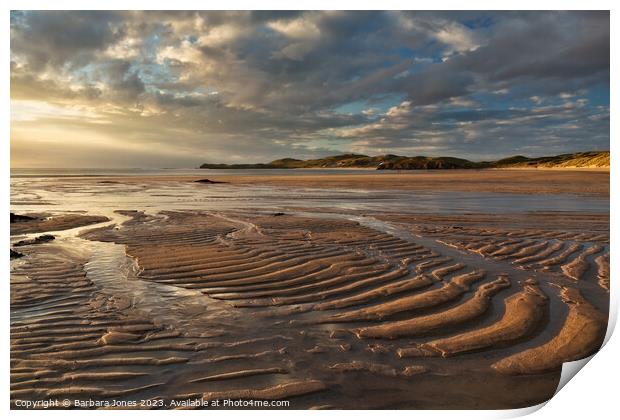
(520, 181)
(349, 290)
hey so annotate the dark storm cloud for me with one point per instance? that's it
(306, 83)
(61, 38)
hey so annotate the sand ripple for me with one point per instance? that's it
(310, 308)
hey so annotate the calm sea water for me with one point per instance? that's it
(68, 172)
(66, 190)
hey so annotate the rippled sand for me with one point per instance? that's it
(328, 308)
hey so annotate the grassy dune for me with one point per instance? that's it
(386, 162)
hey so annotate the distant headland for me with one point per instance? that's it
(395, 162)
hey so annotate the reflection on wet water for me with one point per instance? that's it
(67, 194)
(115, 274)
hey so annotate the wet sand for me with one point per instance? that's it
(325, 309)
(47, 223)
(519, 181)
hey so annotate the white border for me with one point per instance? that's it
(592, 395)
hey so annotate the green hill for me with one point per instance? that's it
(395, 162)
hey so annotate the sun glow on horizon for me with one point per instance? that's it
(178, 89)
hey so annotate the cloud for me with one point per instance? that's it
(263, 85)
(57, 39)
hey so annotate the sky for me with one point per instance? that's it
(180, 88)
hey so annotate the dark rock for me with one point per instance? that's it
(278, 214)
(208, 181)
(20, 218)
(38, 240)
(15, 254)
